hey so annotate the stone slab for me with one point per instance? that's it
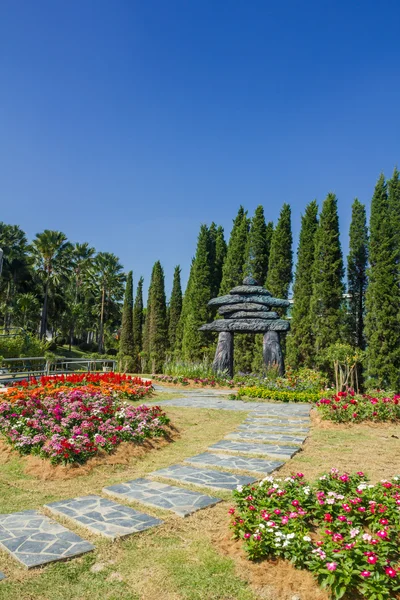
(256, 409)
(2, 576)
(276, 451)
(244, 307)
(34, 540)
(273, 429)
(239, 463)
(242, 314)
(247, 325)
(250, 289)
(103, 516)
(256, 298)
(267, 438)
(160, 495)
(219, 480)
(272, 421)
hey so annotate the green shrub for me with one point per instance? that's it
(21, 346)
(280, 395)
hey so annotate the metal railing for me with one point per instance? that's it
(15, 369)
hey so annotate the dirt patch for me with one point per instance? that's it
(42, 469)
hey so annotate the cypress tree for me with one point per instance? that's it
(182, 319)
(300, 343)
(258, 247)
(138, 320)
(233, 269)
(394, 208)
(195, 342)
(126, 344)
(220, 255)
(175, 307)
(357, 260)
(157, 319)
(382, 324)
(280, 263)
(327, 288)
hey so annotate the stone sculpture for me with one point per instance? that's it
(247, 309)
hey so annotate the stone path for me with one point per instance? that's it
(153, 493)
(34, 539)
(238, 463)
(270, 430)
(103, 516)
(2, 576)
(204, 477)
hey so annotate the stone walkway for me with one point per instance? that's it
(269, 431)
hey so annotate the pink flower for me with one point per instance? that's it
(247, 536)
(295, 503)
(365, 573)
(332, 566)
(372, 559)
(360, 473)
(390, 571)
(231, 511)
(383, 521)
(382, 534)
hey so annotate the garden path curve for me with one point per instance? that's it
(269, 434)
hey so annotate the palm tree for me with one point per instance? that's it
(15, 265)
(107, 283)
(28, 310)
(51, 254)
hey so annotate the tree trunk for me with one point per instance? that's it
(223, 361)
(272, 351)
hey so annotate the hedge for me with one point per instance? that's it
(281, 395)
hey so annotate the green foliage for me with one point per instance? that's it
(20, 346)
(157, 320)
(197, 312)
(300, 342)
(233, 269)
(220, 255)
(258, 247)
(175, 307)
(126, 345)
(281, 256)
(382, 323)
(137, 325)
(357, 261)
(327, 284)
(190, 370)
(279, 395)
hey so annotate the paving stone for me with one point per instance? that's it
(34, 539)
(263, 409)
(103, 516)
(267, 438)
(275, 420)
(204, 477)
(2, 576)
(153, 493)
(278, 451)
(226, 461)
(273, 429)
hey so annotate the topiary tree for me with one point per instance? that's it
(126, 344)
(175, 307)
(138, 320)
(357, 261)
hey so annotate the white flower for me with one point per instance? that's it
(306, 538)
(290, 536)
(279, 534)
(330, 500)
(362, 486)
(306, 490)
(270, 524)
(270, 530)
(354, 532)
(239, 488)
(285, 543)
(322, 478)
(261, 526)
(396, 478)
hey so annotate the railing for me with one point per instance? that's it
(14, 369)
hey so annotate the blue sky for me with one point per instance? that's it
(127, 124)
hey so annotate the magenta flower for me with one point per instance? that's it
(331, 566)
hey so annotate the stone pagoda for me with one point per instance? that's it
(248, 309)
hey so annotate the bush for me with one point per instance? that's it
(21, 346)
(341, 528)
(88, 347)
(280, 395)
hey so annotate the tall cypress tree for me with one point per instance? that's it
(181, 324)
(175, 307)
(197, 312)
(126, 344)
(220, 255)
(328, 271)
(138, 320)
(280, 264)
(394, 208)
(157, 319)
(357, 260)
(382, 325)
(300, 342)
(233, 269)
(258, 246)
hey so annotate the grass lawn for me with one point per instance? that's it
(183, 559)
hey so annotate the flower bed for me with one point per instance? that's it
(113, 384)
(280, 395)
(343, 529)
(347, 407)
(71, 426)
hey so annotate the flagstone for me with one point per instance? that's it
(266, 437)
(103, 516)
(273, 429)
(241, 463)
(34, 540)
(179, 500)
(204, 477)
(2, 576)
(278, 451)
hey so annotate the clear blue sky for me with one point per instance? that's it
(128, 123)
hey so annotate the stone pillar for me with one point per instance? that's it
(272, 351)
(223, 361)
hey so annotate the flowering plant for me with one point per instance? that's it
(342, 528)
(346, 407)
(115, 384)
(72, 425)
